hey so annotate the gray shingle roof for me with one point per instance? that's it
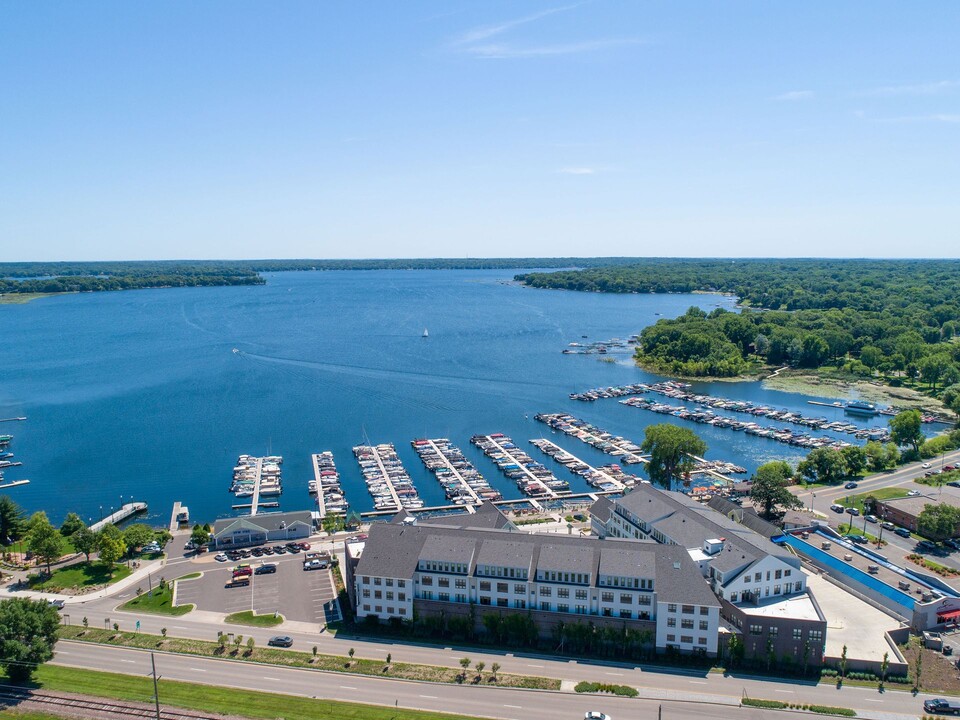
(505, 552)
(581, 558)
(266, 521)
(449, 548)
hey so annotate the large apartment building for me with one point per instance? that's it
(760, 585)
(471, 565)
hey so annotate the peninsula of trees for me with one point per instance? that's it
(55, 277)
(896, 319)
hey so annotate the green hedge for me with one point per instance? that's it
(780, 705)
(592, 687)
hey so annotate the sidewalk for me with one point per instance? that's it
(146, 569)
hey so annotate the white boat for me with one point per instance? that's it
(425, 333)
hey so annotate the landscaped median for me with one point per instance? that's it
(159, 600)
(237, 650)
(248, 617)
(780, 705)
(208, 698)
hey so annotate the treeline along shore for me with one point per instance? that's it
(892, 320)
(57, 277)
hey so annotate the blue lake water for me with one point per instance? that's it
(139, 395)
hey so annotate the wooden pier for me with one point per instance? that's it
(321, 504)
(607, 477)
(545, 491)
(456, 473)
(128, 510)
(255, 500)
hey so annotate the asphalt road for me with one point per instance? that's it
(903, 477)
(469, 700)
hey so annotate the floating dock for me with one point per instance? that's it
(462, 482)
(15, 483)
(326, 486)
(256, 477)
(128, 510)
(387, 480)
(533, 478)
(628, 451)
(14, 419)
(602, 479)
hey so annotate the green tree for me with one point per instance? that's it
(823, 465)
(85, 540)
(71, 524)
(251, 644)
(199, 535)
(138, 535)
(12, 525)
(465, 663)
(111, 545)
(950, 397)
(770, 490)
(906, 429)
(494, 669)
(28, 632)
(938, 521)
(332, 523)
(855, 458)
(670, 448)
(43, 539)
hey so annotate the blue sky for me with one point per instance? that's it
(428, 129)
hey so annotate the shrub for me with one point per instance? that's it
(771, 704)
(591, 687)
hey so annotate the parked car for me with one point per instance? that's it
(279, 549)
(265, 569)
(280, 641)
(316, 565)
(859, 539)
(952, 543)
(304, 545)
(837, 508)
(238, 581)
(941, 706)
(596, 715)
(926, 546)
(853, 511)
(221, 557)
(925, 466)
(902, 532)
(887, 525)
(871, 519)
(851, 486)
(913, 493)
(953, 483)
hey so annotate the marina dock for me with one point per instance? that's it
(15, 483)
(628, 451)
(14, 419)
(256, 477)
(128, 510)
(600, 478)
(462, 482)
(533, 478)
(326, 485)
(387, 480)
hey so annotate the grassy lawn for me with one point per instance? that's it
(936, 567)
(206, 698)
(19, 715)
(880, 494)
(248, 618)
(80, 576)
(160, 602)
(288, 658)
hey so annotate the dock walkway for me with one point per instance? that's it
(591, 474)
(120, 515)
(544, 490)
(464, 486)
(321, 505)
(628, 451)
(258, 477)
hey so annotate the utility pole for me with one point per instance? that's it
(156, 692)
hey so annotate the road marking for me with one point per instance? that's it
(272, 679)
(127, 661)
(617, 674)
(429, 697)
(784, 691)
(62, 652)
(198, 669)
(872, 700)
(699, 682)
(515, 707)
(347, 687)
(180, 627)
(539, 666)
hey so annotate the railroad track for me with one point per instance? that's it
(11, 696)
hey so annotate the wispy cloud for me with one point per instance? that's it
(487, 31)
(501, 51)
(795, 95)
(578, 171)
(484, 41)
(926, 88)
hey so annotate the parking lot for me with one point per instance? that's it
(298, 595)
